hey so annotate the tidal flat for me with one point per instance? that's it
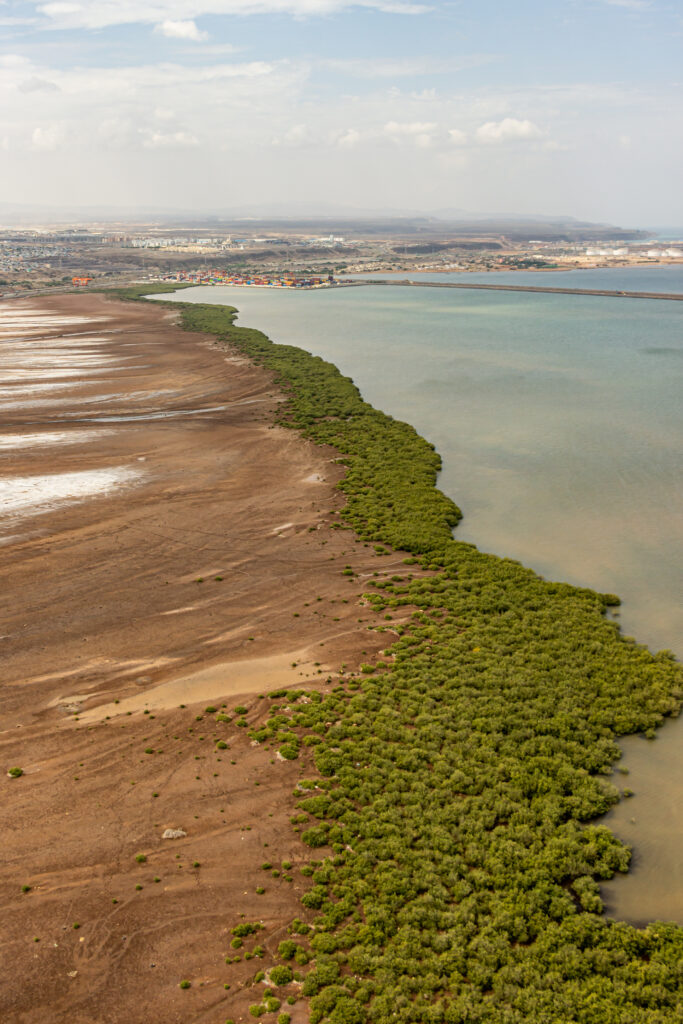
(126, 613)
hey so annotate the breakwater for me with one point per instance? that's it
(672, 296)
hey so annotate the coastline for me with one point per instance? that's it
(478, 286)
(471, 631)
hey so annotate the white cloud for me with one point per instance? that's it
(420, 133)
(297, 135)
(111, 129)
(48, 137)
(36, 84)
(632, 5)
(104, 13)
(146, 107)
(15, 22)
(164, 140)
(348, 139)
(457, 137)
(115, 132)
(59, 10)
(181, 30)
(508, 130)
(14, 60)
(409, 127)
(408, 67)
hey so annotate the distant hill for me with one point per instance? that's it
(307, 218)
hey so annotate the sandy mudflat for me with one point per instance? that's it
(101, 602)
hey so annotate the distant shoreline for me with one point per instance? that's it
(673, 296)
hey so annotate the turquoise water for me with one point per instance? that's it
(560, 423)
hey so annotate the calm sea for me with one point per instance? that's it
(560, 422)
(654, 278)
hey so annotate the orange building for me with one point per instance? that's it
(81, 282)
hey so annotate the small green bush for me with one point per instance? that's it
(287, 949)
(281, 974)
(246, 928)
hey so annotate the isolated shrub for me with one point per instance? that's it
(281, 974)
(246, 928)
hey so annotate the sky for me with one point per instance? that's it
(555, 107)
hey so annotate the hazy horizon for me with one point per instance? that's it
(397, 104)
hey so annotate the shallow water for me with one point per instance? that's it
(41, 371)
(560, 423)
(667, 279)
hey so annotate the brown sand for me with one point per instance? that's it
(100, 603)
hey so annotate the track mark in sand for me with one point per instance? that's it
(280, 529)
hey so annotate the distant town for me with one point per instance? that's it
(208, 277)
(290, 254)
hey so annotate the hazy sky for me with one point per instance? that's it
(538, 106)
